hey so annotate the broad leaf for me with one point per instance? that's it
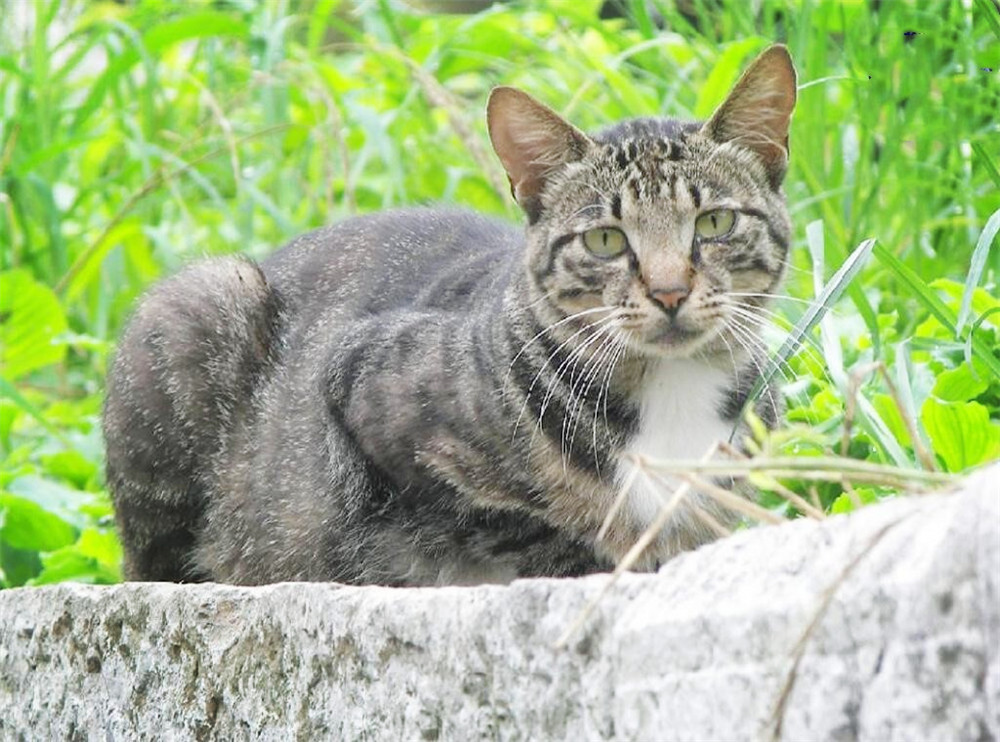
(962, 384)
(29, 526)
(30, 317)
(961, 433)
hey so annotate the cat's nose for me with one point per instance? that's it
(670, 298)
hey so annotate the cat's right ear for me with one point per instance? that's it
(531, 141)
(758, 111)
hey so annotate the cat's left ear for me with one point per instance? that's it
(758, 110)
(531, 141)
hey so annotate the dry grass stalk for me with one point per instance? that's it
(439, 96)
(224, 125)
(626, 563)
(820, 468)
(619, 501)
(813, 510)
(814, 496)
(644, 540)
(335, 125)
(709, 520)
(731, 501)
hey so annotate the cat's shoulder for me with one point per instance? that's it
(412, 224)
(396, 250)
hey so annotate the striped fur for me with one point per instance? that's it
(432, 397)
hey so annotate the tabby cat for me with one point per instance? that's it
(427, 397)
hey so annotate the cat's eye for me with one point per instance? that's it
(605, 242)
(713, 224)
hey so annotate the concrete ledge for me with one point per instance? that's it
(882, 625)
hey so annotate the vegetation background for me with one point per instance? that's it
(136, 136)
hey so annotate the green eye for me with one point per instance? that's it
(716, 223)
(605, 242)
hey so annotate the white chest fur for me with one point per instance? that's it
(679, 419)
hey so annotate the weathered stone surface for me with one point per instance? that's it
(903, 601)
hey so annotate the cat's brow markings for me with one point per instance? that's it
(616, 206)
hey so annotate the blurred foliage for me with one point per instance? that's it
(137, 136)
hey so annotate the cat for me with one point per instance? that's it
(430, 396)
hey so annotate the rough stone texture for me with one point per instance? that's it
(903, 600)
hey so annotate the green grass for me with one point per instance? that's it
(134, 138)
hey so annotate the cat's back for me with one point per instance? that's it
(434, 259)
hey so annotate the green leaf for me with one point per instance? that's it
(71, 564)
(989, 11)
(982, 300)
(71, 466)
(935, 306)
(60, 500)
(30, 317)
(30, 527)
(830, 341)
(845, 503)
(94, 558)
(102, 545)
(961, 433)
(8, 414)
(961, 384)
(85, 272)
(17, 566)
(9, 391)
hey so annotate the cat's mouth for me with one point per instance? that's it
(671, 337)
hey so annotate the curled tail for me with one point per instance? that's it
(187, 366)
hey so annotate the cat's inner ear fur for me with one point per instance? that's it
(532, 141)
(758, 110)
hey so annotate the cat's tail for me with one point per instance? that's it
(186, 369)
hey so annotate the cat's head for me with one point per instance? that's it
(678, 229)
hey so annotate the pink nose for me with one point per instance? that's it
(672, 297)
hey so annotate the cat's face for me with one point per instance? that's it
(671, 233)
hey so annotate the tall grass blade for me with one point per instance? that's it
(991, 167)
(990, 11)
(972, 333)
(830, 342)
(834, 288)
(979, 255)
(185, 28)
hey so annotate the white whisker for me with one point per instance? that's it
(546, 330)
(602, 355)
(527, 395)
(574, 356)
